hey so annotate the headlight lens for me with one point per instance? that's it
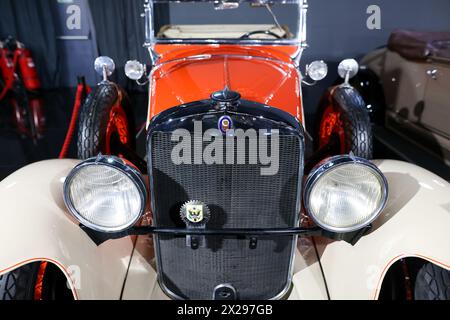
(345, 194)
(317, 70)
(134, 70)
(105, 194)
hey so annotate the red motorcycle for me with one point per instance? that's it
(20, 85)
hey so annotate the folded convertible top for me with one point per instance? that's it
(420, 45)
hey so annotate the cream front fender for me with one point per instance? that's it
(415, 223)
(35, 226)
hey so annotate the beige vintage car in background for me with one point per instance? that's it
(406, 86)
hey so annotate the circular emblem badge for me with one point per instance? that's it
(195, 213)
(225, 124)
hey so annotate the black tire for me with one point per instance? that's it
(432, 283)
(20, 283)
(353, 117)
(94, 117)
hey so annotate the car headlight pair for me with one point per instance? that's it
(342, 194)
(345, 194)
(105, 194)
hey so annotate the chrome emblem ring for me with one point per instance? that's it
(225, 124)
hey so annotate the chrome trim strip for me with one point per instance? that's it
(148, 15)
(303, 11)
(227, 41)
(301, 174)
(156, 241)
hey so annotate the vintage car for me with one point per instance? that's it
(405, 86)
(225, 205)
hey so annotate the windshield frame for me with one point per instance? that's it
(300, 40)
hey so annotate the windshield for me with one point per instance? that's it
(227, 21)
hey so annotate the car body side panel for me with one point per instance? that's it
(416, 102)
(415, 223)
(435, 115)
(37, 227)
(193, 73)
(404, 81)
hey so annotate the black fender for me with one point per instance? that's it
(354, 120)
(94, 115)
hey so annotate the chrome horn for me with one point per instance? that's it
(136, 71)
(316, 71)
(104, 66)
(347, 69)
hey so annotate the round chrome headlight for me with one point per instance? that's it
(105, 194)
(345, 194)
(134, 70)
(317, 70)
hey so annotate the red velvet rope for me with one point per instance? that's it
(74, 119)
(10, 83)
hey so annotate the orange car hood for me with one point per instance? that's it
(262, 79)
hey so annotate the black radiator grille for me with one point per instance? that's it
(238, 197)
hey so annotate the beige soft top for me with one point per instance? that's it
(219, 31)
